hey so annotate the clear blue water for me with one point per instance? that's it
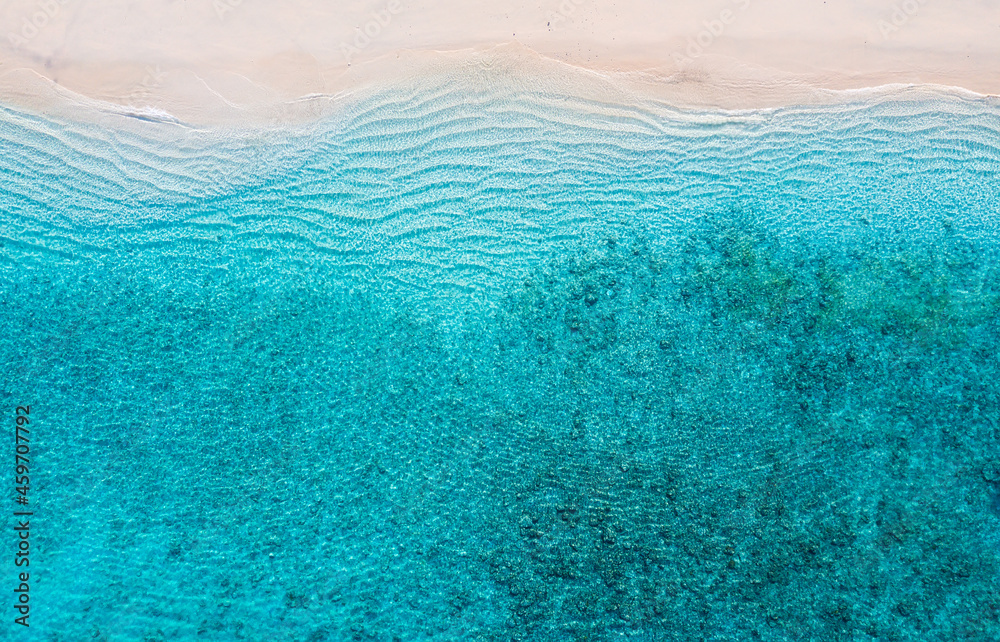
(474, 363)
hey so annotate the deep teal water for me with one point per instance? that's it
(475, 363)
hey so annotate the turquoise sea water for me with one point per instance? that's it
(474, 363)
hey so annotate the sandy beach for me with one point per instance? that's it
(243, 60)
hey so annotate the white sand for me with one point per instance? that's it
(220, 60)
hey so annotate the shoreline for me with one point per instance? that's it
(225, 62)
(712, 85)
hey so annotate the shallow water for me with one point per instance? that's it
(469, 362)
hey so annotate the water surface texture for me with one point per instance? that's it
(481, 363)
